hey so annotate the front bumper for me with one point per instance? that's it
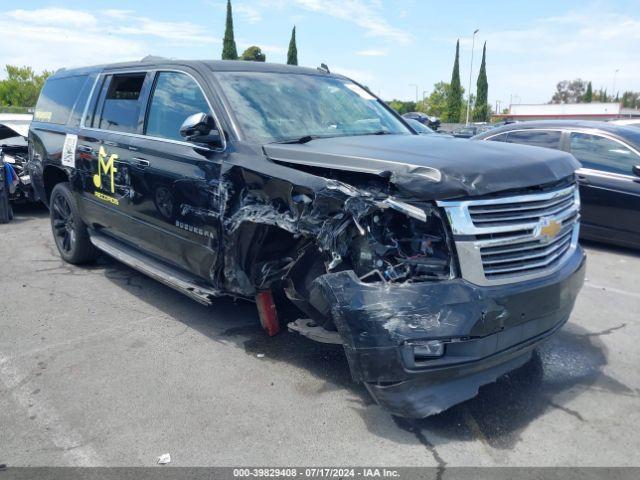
(488, 331)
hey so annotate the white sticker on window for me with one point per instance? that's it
(69, 150)
(360, 91)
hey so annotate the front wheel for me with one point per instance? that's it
(69, 231)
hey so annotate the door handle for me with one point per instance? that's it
(85, 149)
(583, 179)
(141, 162)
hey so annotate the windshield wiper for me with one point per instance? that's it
(305, 139)
(379, 132)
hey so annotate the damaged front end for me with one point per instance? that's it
(382, 274)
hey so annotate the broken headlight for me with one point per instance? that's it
(391, 246)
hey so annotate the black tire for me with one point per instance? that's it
(69, 231)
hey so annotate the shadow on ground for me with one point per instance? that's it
(607, 248)
(564, 367)
(23, 212)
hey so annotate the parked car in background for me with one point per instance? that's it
(629, 122)
(421, 128)
(428, 120)
(469, 131)
(610, 175)
(424, 130)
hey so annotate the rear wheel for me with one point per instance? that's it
(69, 231)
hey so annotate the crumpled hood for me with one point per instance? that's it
(428, 167)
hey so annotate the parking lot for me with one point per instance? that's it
(103, 366)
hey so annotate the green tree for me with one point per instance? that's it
(292, 54)
(482, 110)
(229, 50)
(631, 99)
(402, 107)
(22, 86)
(569, 91)
(437, 100)
(471, 103)
(254, 54)
(454, 100)
(588, 96)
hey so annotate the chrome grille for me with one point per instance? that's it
(514, 238)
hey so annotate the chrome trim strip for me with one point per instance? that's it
(483, 267)
(538, 206)
(543, 253)
(531, 197)
(604, 174)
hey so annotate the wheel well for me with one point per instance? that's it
(52, 176)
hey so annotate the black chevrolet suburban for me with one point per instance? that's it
(438, 264)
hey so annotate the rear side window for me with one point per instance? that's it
(175, 97)
(601, 153)
(536, 138)
(121, 108)
(57, 99)
(498, 138)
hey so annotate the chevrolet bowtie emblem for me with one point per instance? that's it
(547, 229)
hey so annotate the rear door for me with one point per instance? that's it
(175, 193)
(609, 190)
(104, 150)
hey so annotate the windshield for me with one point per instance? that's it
(272, 107)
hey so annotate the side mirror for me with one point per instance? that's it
(636, 170)
(200, 128)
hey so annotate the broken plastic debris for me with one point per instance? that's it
(164, 459)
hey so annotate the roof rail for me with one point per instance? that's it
(153, 58)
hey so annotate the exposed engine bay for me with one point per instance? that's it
(16, 157)
(393, 247)
(14, 153)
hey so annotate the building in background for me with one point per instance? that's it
(566, 111)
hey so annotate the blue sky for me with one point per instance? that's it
(386, 44)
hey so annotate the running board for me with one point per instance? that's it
(155, 269)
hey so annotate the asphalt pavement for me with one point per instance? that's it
(102, 366)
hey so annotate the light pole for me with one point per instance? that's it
(416, 86)
(615, 74)
(473, 44)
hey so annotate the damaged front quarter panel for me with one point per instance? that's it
(356, 255)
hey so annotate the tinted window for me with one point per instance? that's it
(81, 102)
(536, 138)
(600, 153)
(175, 97)
(499, 138)
(57, 98)
(121, 108)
